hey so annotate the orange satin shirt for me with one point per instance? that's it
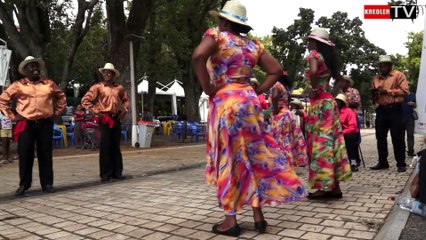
(34, 100)
(396, 85)
(107, 98)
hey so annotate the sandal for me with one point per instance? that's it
(261, 226)
(233, 231)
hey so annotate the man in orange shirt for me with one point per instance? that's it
(34, 97)
(109, 96)
(388, 91)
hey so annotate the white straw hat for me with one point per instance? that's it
(321, 34)
(110, 66)
(233, 11)
(342, 97)
(349, 79)
(384, 59)
(29, 59)
(254, 80)
(297, 102)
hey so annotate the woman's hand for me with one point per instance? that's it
(211, 89)
(18, 117)
(313, 93)
(201, 54)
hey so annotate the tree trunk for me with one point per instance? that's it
(33, 33)
(78, 33)
(192, 95)
(121, 31)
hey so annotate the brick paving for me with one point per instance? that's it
(179, 205)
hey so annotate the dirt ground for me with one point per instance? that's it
(415, 228)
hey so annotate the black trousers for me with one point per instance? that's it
(38, 133)
(110, 159)
(390, 118)
(409, 129)
(351, 142)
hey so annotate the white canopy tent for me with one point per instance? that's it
(173, 89)
(203, 105)
(143, 88)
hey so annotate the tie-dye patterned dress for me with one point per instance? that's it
(244, 162)
(286, 130)
(325, 143)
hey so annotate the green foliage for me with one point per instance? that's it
(356, 53)
(288, 46)
(411, 63)
(90, 55)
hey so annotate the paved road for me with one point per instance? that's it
(178, 204)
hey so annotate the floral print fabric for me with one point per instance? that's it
(235, 59)
(325, 142)
(286, 131)
(244, 162)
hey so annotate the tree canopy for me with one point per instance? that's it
(76, 41)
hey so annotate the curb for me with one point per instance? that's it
(4, 198)
(397, 218)
(124, 152)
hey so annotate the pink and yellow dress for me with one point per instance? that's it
(244, 162)
(286, 130)
(325, 143)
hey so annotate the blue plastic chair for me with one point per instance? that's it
(177, 130)
(196, 130)
(58, 135)
(124, 131)
(70, 134)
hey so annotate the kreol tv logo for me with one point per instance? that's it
(391, 11)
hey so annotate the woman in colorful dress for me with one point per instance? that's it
(285, 128)
(244, 162)
(325, 143)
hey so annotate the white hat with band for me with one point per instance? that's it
(321, 35)
(233, 11)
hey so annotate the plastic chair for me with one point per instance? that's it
(58, 135)
(196, 130)
(167, 127)
(70, 134)
(177, 130)
(124, 131)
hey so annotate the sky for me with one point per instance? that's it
(390, 35)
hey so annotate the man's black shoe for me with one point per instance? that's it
(104, 180)
(119, 178)
(20, 191)
(402, 169)
(411, 154)
(354, 168)
(379, 167)
(48, 189)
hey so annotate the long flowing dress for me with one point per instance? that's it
(286, 129)
(325, 142)
(244, 162)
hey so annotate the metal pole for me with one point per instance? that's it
(133, 97)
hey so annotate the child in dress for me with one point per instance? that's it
(6, 137)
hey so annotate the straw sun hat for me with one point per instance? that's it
(110, 66)
(349, 79)
(297, 102)
(384, 59)
(342, 97)
(27, 60)
(233, 11)
(321, 35)
(255, 81)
